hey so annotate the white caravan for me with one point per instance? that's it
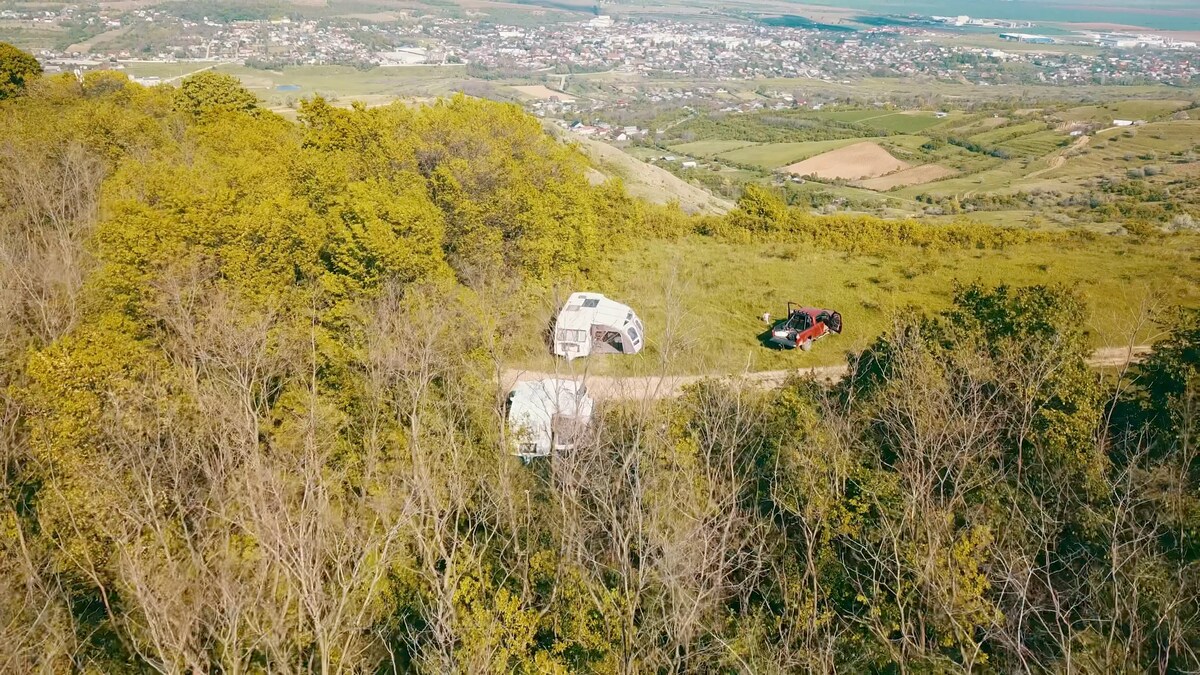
(592, 324)
(547, 415)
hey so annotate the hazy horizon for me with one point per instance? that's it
(1152, 14)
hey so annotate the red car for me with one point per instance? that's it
(803, 326)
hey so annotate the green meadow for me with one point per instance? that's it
(701, 298)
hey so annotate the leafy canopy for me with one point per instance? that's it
(17, 69)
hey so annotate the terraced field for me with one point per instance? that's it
(1037, 144)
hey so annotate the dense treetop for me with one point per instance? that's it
(17, 68)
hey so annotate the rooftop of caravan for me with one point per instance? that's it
(542, 408)
(546, 398)
(583, 310)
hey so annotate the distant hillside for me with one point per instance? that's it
(652, 183)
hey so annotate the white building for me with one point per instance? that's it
(546, 416)
(404, 56)
(592, 324)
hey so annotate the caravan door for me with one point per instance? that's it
(605, 340)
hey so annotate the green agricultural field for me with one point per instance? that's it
(1127, 110)
(998, 178)
(165, 71)
(1002, 134)
(969, 125)
(775, 155)
(906, 123)
(33, 39)
(1037, 144)
(710, 148)
(885, 120)
(712, 293)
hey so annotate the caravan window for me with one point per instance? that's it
(592, 302)
(633, 334)
(568, 335)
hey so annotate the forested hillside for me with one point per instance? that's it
(250, 421)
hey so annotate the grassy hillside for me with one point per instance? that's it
(711, 293)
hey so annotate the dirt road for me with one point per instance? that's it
(603, 387)
(1061, 157)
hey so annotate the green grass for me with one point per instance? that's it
(1036, 145)
(913, 143)
(714, 293)
(32, 38)
(164, 70)
(853, 116)
(1002, 134)
(1113, 152)
(1129, 110)
(906, 123)
(884, 120)
(710, 148)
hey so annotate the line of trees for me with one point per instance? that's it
(250, 422)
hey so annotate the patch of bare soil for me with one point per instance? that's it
(918, 175)
(853, 162)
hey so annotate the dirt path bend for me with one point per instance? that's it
(604, 387)
(1060, 157)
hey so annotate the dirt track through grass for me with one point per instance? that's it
(1060, 157)
(653, 387)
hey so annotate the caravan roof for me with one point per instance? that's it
(547, 414)
(592, 324)
(583, 310)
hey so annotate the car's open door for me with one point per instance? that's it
(835, 322)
